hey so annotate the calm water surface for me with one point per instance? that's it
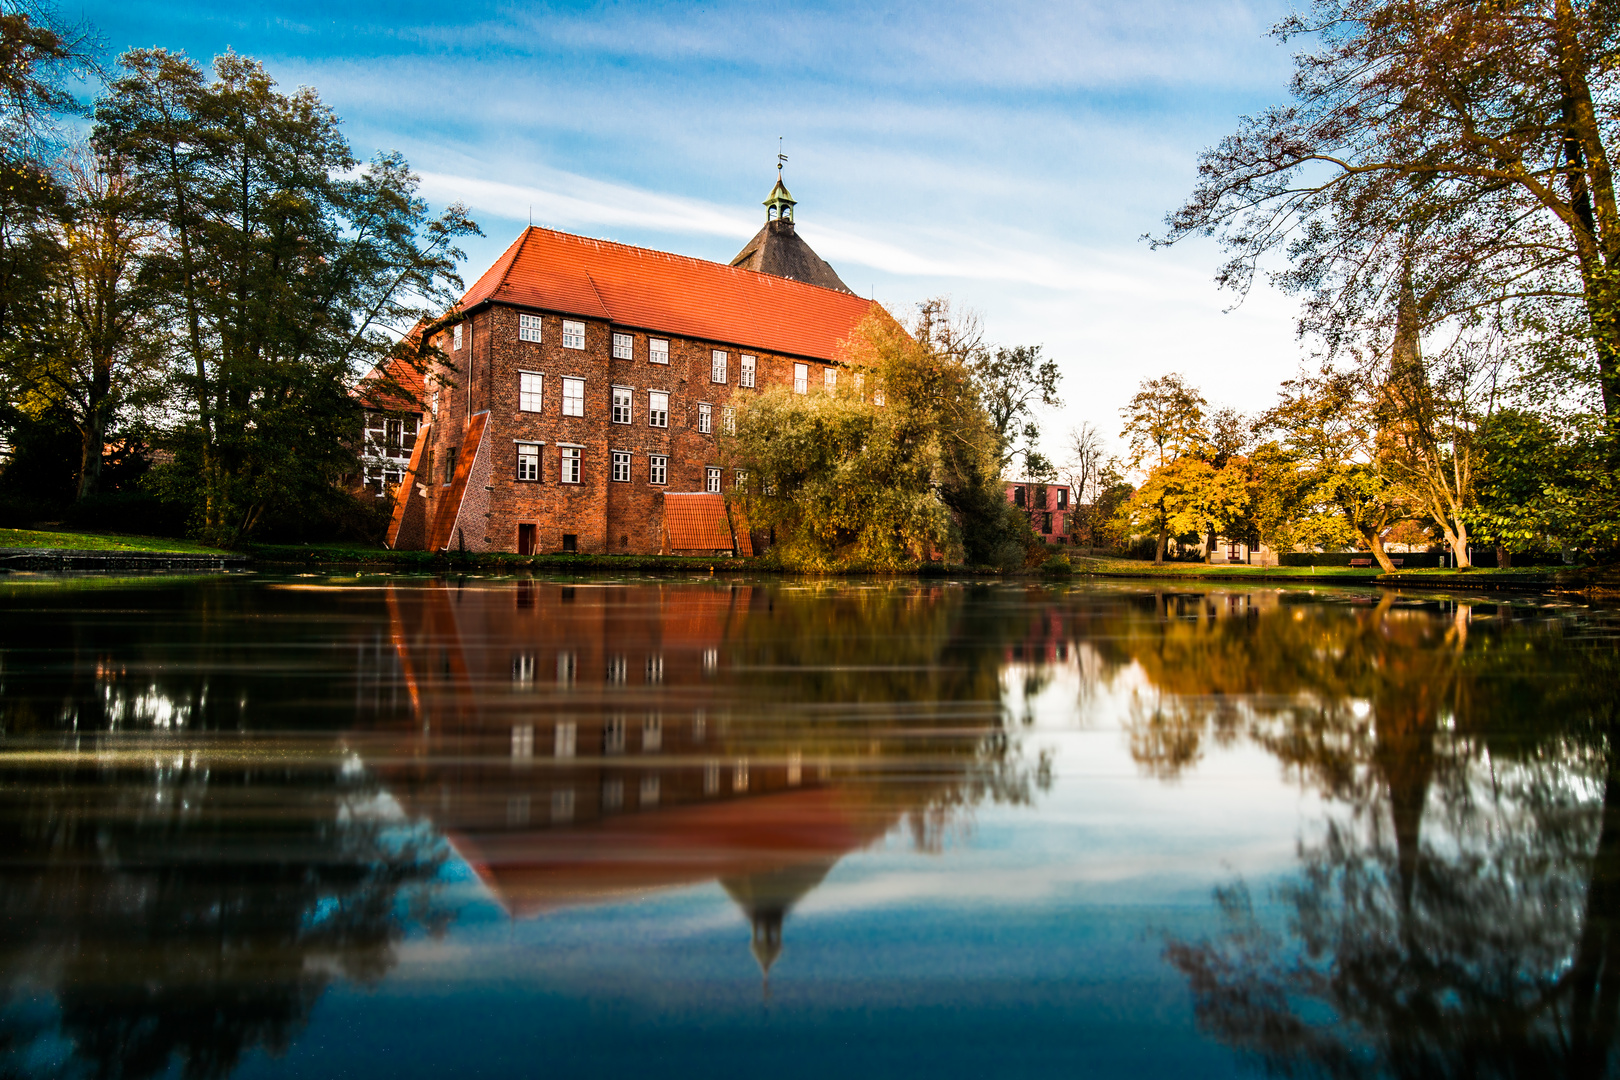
(313, 826)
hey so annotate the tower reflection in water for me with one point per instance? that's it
(206, 819)
(580, 744)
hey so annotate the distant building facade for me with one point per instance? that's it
(588, 380)
(1047, 505)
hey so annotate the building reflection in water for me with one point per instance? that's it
(580, 744)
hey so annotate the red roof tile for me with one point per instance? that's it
(393, 385)
(696, 521)
(674, 294)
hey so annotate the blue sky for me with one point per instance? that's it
(1007, 155)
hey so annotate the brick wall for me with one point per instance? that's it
(605, 515)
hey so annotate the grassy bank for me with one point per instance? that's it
(1132, 568)
(35, 540)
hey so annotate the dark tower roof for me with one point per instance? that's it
(778, 250)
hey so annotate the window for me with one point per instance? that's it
(860, 385)
(717, 366)
(1046, 522)
(728, 420)
(528, 461)
(1063, 498)
(655, 669)
(740, 480)
(705, 418)
(621, 466)
(829, 380)
(657, 469)
(573, 397)
(622, 409)
(613, 735)
(562, 744)
(522, 741)
(570, 544)
(562, 803)
(649, 791)
(711, 777)
(652, 734)
(657, 408)
(795, 769)
(393, 434)
(1018, 496)
(529, 391)
(523, 675)
(612, 795)
(801, 378)
(711, 480)
(617, 666)
(878, 399)
(573, 335)
(739, 775)
(528, 328)
(567, 664)
(570, 469)
(449, 465)
(745, 377)
(657, 351)
(455, 338)
(624, 347)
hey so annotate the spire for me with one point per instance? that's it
(779, 203)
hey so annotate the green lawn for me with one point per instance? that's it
(1142, 568)
(84, 541)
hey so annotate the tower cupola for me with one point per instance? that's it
(779, 204)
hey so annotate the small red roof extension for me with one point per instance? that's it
(675, 294)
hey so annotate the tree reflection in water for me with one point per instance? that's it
(234, 793)
(1459, 915)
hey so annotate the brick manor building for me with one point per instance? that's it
(588, 383)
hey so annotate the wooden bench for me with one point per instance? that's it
(1397, 562)
(1354, 563)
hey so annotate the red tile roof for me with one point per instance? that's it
(696, 520)
(394, 385)
(674, 294)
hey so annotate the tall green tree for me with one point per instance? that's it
(282, 266)
(900, 462)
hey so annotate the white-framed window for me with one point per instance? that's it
(860, 385)
(531, 385)
(613, 734)
(571, 456)
(728, 420)
(711, 480)
(612, 795)
(621, 466)
(657, 350)
(624, 347)
(529, 328)
(657, 408)
(522, 737)
(567, 667)
(657, 469)
(829, 379)
(711, 777)
(739, 775)
(563, 739)
(801, 378)
(655, 669)
(623, 409)
(617, 668)
(528, 461)
(455, 338)
(705, 417)
(652, 733)
(739, 479)
(573, 397)
(649, 792)
(562, 804)
(745, 377)
(878, 399)
(717, 366)
(573, 334)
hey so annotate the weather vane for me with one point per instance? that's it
(781, 158)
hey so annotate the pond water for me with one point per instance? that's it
(312, 826)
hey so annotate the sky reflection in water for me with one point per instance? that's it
(320, 827)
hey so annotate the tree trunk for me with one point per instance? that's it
(1504, 557)
(1375, 543)
(1158, 549)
